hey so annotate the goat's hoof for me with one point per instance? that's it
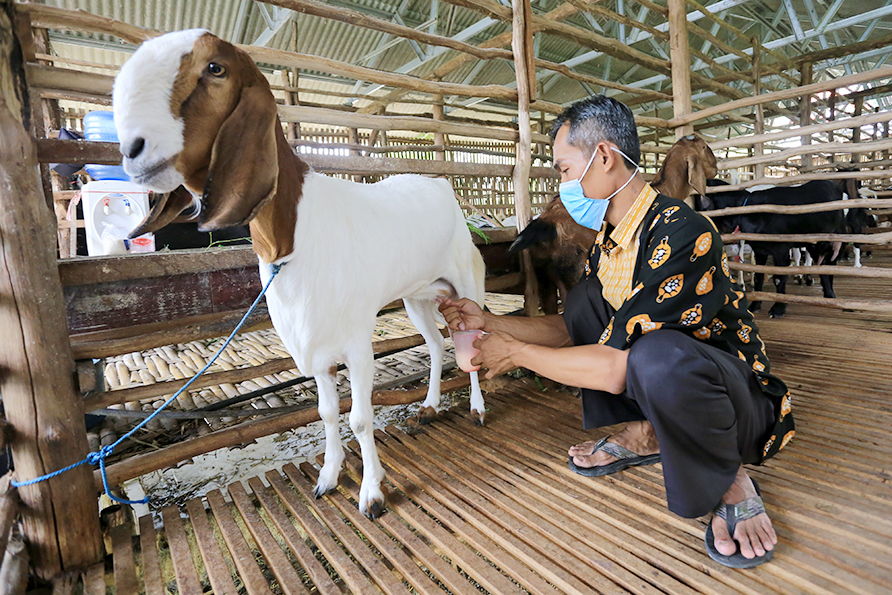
(809, 281)
(755, 306)
(427, 415)
(779, 313)
(374, 509)
(320, 491)
(478, 417)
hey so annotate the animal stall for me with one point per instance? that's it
(491, 508)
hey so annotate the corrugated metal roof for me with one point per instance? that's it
(769, 19)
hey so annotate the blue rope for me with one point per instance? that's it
(98, 457)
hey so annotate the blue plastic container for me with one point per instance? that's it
(100, 126)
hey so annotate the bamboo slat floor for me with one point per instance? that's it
(495, 509)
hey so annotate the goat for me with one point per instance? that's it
(192, 109)
(858, 220)
(770, 223)
(558, 246)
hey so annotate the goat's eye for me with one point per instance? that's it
(216, 69)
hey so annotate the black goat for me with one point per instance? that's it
(771, 223)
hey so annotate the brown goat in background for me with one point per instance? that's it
(558, 245)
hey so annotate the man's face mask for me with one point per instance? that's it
(589, 212)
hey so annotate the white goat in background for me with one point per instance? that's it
(194, 110)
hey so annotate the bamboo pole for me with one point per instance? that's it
(856, 131)
(864, 272)
(810, 238)
(59, 516)
(844, 81)
(802, 178)
(784, 155)
(252, 430)
(839, 304)
(835, 205)
(681, 66)
(759, 127)
(742, 141)
(522, 44)
(439, 137)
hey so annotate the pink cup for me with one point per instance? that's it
(465, 350)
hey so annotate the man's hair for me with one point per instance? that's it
(599, 118)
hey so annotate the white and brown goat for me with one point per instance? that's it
(194, 110)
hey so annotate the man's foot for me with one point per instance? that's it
(638, 437)
(755, 535)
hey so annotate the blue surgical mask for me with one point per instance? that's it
(589, 212)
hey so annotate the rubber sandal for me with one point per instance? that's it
(733, 514)
(626, 457)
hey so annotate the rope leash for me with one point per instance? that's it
(98, 457)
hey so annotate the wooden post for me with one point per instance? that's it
(521, 45)
(760, 114)
(61, 522)
(439, 137)
(292, 97)
(831, 134)
(856, 131)
(805, 110)
(681, 65)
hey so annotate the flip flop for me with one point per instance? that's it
(733, 514)
(626, 457)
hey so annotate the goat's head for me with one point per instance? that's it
(192, 109)
(686, 167)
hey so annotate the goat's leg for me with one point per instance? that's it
(421, 313)
(758, 279)
(362, 367)
(857, 251)
(809, 261)
(329, 411)
(781, 259)
(796, 257)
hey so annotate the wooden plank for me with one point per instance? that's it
(180, 552)
(128, 339)
(321, 580)
(124, 562)
(352, 575)
(390, 548)
(148, 556)
(468, 541)
(59, 517)
(214, 562)
(89, 270)
(276, 561)
(252, 578)
(383, 576)
(619, 569)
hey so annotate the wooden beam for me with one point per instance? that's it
(742, 141)
(810, 238)
(611, 47)
(803, 178)
(844, 50)
(839, 304)
(863, 272)
(60, 519)
(835, 205)
(862, 77)
(806, 72)
(804, 150)
(681, 66)
(759, 128)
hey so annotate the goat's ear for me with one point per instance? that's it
(165, 211)
(244, 166)
(537, 232)
(696, 174)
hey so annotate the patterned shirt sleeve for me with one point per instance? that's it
(674, 288)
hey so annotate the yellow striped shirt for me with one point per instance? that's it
(616, 266)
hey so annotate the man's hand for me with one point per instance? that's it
(496, 353)
(462, 315)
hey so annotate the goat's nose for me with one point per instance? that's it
(136, 147)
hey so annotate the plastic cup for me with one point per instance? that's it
(465, 350)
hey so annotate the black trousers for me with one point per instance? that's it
(706, 405)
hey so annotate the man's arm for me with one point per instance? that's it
(597, 367)
(548, 331)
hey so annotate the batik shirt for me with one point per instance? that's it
(682, 282)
